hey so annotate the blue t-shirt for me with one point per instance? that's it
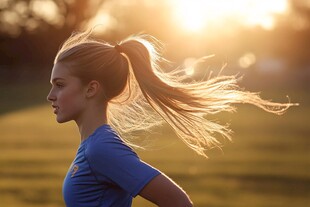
(105, 172)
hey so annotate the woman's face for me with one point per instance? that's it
(67, 95)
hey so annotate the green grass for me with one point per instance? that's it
(267, 164)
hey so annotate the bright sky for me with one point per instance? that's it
(194, 15)
(190, 15)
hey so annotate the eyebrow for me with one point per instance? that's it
(56, 79)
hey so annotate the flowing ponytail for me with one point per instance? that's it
(183, 105)
(152, 96)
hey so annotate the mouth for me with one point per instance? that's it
(56, 108)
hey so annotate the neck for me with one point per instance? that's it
(91, 120)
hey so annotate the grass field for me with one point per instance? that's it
(266, 165)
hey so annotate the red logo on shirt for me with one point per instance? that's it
(73, 170)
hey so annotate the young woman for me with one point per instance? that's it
(112, 91)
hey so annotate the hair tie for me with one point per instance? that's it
(118, 48)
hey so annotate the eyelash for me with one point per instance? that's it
(59, 85)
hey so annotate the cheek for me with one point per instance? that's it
(71, 99)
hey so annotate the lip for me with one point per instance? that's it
(56, 108)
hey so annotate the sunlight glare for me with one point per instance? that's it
(194, 15)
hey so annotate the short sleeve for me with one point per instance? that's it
(111, 159)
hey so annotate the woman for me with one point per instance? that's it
(104, 88)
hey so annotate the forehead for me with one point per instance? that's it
(60, 71)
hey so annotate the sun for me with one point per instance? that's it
(194, 15)
(191, 14)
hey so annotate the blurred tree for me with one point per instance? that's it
(27, 16)
(31, 30)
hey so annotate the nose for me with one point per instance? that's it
(51, 97)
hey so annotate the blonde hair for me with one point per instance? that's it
(141, 95)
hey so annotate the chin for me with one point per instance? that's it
(62, 120)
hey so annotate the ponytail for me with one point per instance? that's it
(181, 104)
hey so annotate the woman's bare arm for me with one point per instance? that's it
(163, 192)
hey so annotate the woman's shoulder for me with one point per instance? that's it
(104, 133)
(105, 142)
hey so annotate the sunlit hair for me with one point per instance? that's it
(141, 95)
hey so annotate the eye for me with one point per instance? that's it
(59, 85)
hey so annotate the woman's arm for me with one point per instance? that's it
(163, 192)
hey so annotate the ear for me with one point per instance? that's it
(92, 89)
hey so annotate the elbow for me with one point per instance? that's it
(179, 201)
(188, 204)
(176, 203)
(184, 202)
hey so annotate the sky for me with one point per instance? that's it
(196, 15)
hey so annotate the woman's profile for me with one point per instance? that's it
(111, 91)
